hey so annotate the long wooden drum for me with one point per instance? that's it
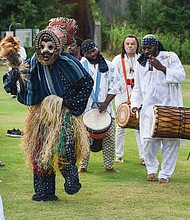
(125, 119)
(171, 122)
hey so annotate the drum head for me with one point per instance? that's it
(123, 115)
(96, 121)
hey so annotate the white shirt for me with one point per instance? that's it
(129, 63)
(109, 83)
(156, 88)
(22, 53)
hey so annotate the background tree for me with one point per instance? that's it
(167, 16)
(167, 19)
(31, 13)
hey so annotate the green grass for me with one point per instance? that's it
(111, 196)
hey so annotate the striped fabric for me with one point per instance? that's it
(66, 78)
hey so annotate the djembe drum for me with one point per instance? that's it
(125, 118)
(98, 125)
(171, 122)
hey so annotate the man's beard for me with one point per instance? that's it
(95, 59)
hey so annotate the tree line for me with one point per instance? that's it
(167, 19)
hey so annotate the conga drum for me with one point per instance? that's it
(171, 122)
(98, 125)
(125, 118)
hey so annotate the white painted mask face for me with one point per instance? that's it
(47, 47)
(47, 50)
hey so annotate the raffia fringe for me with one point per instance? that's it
(49, 116)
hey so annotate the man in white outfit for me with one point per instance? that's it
(158, 77)
(106, 86)
(129, 54)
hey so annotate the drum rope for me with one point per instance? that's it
(172, 124)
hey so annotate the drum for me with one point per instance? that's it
(171, 122)
(95, 145)
(125, 118)
(97, 124)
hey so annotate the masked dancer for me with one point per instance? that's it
(56, 88)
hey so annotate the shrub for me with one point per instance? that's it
(185, 52)
(171, 42)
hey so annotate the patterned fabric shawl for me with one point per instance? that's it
(43, 80)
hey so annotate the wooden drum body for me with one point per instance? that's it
(171, 122)
(125, 119)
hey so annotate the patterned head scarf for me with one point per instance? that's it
(89, 44)
(149, 39)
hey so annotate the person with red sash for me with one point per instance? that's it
(125, 64)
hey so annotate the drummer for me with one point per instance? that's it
(105, 88)
(125, 62)
(158, 77)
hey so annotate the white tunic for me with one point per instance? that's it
(109, 84)
(122, 97)
(156, 88)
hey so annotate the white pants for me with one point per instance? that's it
(120, 141)
(1, 210)
(169, 148)
(120, 132)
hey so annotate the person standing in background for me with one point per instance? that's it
(125, 64)
(22, 57)
(75, 47)
(22, 53)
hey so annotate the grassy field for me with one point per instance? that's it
(111, 196)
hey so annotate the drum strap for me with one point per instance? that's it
(125, 77)
(94, 95)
